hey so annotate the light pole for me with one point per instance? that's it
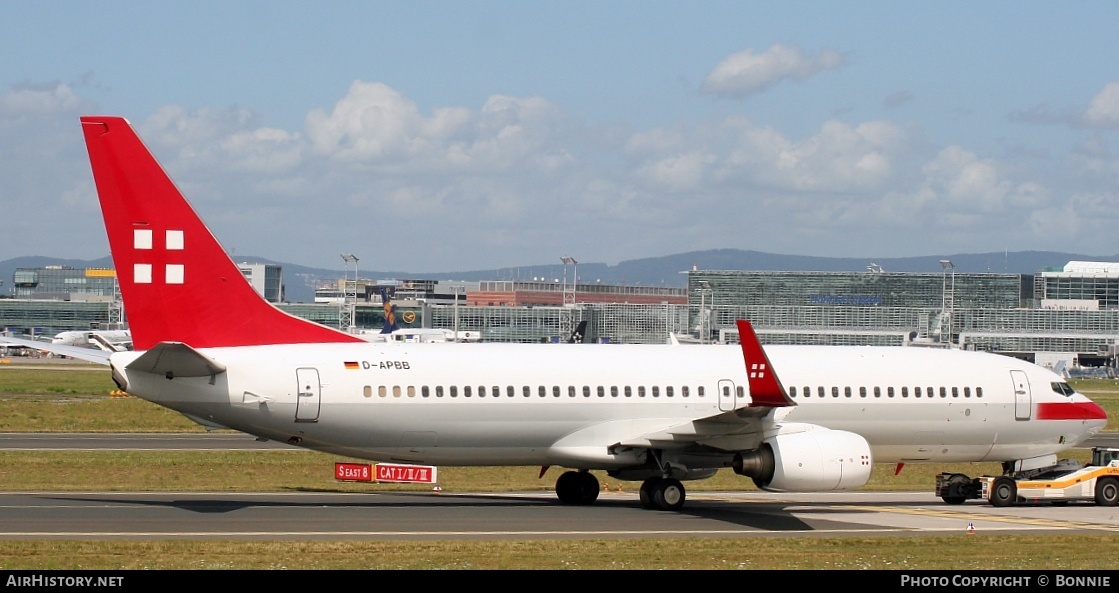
(703, 290)
(348, 312)
(456, 289)
(568, 260)
(947, 297)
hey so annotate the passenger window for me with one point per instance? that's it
(699, 391)
(601, 391)
(466, 391)
(684, 391)
(640, 391)
(668, 391)
(613, 391)
(889, 392)
(425, 391)
(367, 391)
(411, 391)
(793, 391)
(438, 391)
(555, 391)
(820, 391)
(628, 391)
(570, 391)
(454, 390)
(943, 392)
(877, 391)
(978, 392)
(656, 391)
(905, 392)
(835, 391)
(586, 391)
(740, 391)
(396, 391)
(955, 392)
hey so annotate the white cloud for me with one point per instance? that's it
(39, 100)
(746, 72)
(1104, 107)
(839, 158)
(376, 126)
(264, 150)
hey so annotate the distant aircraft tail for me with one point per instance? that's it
(177, 282)
(390, 313)
(579, 334)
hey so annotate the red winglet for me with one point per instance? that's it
(765, 387)
(177, 282)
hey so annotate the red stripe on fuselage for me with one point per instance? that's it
(1070, 411)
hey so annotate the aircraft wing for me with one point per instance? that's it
(86, 354)
(735, 430)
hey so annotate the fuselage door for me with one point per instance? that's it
(1023, 400)
(310, 395)
(728, 395)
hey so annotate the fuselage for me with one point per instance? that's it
(561, 404)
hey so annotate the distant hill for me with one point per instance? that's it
(301, 281)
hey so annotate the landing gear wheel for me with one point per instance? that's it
(1003, 492)
(648, 490)
(1107, 492)
(669, 494)
(577, 488)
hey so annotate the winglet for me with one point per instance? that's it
(765, 387)
(176, 280)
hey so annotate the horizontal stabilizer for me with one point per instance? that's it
(175, 359)
(78, 352)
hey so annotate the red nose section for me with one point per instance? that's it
(1070, 411)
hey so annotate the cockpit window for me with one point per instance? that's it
(1063, 388)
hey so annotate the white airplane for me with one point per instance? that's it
(109, 340)
(207, 345)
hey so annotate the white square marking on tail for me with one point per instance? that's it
(142, 273)
(175, 240)
(142, 239)
(174, 273)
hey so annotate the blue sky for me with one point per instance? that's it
(452, 136)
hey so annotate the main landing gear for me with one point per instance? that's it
(577, 488)
(666, 494)
(582, 487)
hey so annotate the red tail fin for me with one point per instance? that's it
(177, 282)
(765, 387)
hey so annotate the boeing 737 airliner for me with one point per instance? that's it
(792, 418)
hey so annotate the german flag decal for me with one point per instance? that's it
(351, 365)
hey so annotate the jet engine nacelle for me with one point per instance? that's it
(812, 461)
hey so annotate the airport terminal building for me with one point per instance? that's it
(1067, 316)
